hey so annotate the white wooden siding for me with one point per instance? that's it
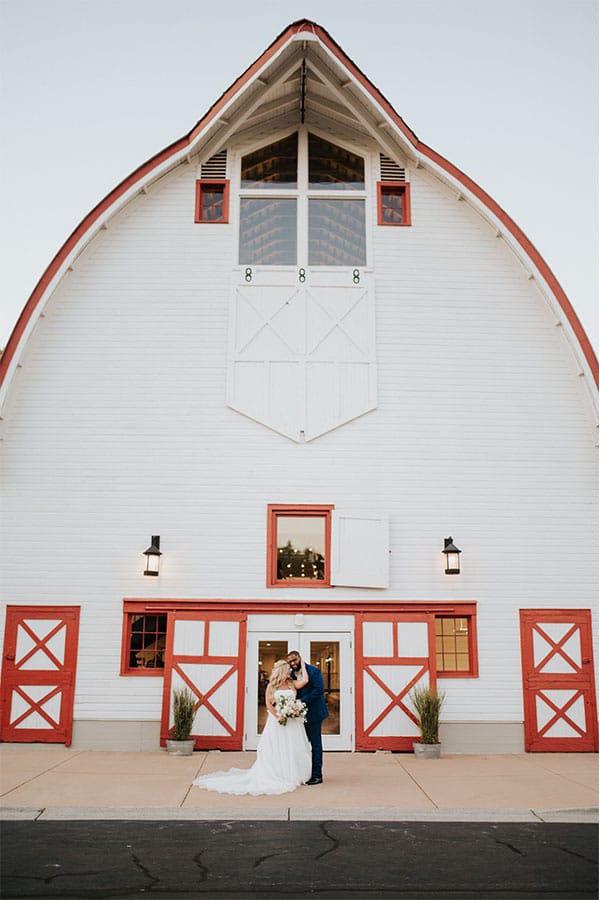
(117, 429)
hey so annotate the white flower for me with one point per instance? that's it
(289, 708)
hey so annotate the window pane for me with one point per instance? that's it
(267, 232)
(392, 205)
(212, 202)
(452, 644)
(325, 655)
(147, 642)
(273, 166)
(332, 168)
(268, 654)
(336, 233)
(301, 547)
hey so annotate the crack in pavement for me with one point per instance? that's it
(137, 862)
(197, 860)
(334, 841)
(263, 859)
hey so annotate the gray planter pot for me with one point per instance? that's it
(180, 748)
(427, 751)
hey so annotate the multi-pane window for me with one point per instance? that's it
(298, 540)
(145, 643)
(310, 223)
(454, 645)
(393, 204)
(212, 202)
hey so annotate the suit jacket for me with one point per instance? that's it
(313, 694)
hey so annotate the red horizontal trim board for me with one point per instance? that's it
(298, 27)
(233, 608)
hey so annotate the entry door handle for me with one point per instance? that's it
(9, 657)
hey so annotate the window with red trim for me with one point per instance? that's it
(144, 637)
(455, 646)
(212, 202)
(298, 546)
(393, 203)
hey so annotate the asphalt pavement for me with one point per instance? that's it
(250, 859)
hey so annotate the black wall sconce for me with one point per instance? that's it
(452, 555)
(153, 556)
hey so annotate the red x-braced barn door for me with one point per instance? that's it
(394, 654)
(558, 680)
(206, 652)
(38, 673)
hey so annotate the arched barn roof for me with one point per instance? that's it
(352, 97)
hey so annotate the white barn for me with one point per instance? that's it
(304, 350)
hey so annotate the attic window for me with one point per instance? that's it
(333, 168)
(319, 217)
(212, 201)
(273, 166)
(393, 203)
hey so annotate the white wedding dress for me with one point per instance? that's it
(283, 761)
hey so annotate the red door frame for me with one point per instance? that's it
(60, 680)
(173, 662)
(536, 682)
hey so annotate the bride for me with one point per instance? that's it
(283, 757)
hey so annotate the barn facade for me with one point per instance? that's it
(259, 401)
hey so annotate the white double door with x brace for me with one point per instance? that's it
(323, 641)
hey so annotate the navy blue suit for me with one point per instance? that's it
(313, 694)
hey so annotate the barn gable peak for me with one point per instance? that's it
(303, 78)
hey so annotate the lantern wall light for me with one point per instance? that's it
(452, 555)
(153, 556)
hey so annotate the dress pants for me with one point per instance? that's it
(313, 733)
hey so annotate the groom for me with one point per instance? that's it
(313, 694)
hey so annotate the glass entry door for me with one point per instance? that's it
(331, 653)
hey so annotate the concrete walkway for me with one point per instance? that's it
(49, 782)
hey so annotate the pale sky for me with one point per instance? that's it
(507, 91)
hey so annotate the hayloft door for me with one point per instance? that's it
(558, 681)
(205, 652)
(394, 654)
(38, 673)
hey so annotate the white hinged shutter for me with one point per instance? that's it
(359, 548)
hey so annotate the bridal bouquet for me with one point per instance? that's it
(287, 708)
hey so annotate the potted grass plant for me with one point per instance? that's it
(184, 709)
(428, 703)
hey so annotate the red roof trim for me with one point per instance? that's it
(296, 28)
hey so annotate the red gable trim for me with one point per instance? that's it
(296, 28)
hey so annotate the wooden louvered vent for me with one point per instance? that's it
(216, 166)
(390, 170)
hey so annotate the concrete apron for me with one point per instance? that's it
(52, 782)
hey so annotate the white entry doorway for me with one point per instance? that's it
(328, 650)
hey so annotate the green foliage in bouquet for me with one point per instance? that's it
(428, 704)
(184, 710)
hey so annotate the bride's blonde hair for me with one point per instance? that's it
(280, 673)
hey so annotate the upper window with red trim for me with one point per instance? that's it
(299, 540)
(212, 201)
(393, 203)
